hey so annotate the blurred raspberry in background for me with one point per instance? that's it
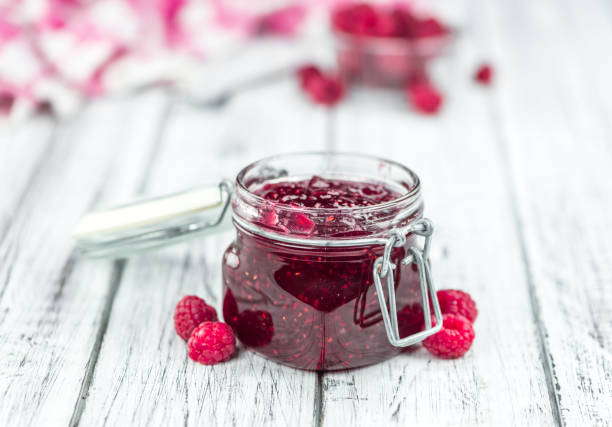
(56, 54)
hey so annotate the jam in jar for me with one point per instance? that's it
(325, 271)
(298, 278)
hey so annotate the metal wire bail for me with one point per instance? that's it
(383, 269)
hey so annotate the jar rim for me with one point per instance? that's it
(358, 223)
(413, 191)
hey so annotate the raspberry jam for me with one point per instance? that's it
(298, 282)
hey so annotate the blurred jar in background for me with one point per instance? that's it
(385, 45)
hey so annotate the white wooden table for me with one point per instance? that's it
(518, 179)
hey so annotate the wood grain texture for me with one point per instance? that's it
(476, 249)
(516, 177)
(22, 149)
(51, 304)
(143, 375)
(556, 136)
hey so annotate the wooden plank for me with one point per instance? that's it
(22, 150)
(476, 248)
(52, 304)
(144, 376)
(556, 131)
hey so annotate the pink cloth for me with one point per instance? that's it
(67, 50)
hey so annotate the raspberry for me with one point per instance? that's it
(325, 89)
(424, 97)
(457, 302)
(211, 343)
(484, 74)
(429, 27)
(454, 340)
(306, 72)
(189, 313)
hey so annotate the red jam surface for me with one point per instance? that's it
(323, 193)
(314, 307)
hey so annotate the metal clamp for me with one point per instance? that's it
(383, 269)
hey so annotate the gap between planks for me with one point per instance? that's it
(30, 180)
(117, 274)
(545, 354)
(534, 303)
(330, 145)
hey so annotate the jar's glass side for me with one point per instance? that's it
(314, 308)
(384, 61)
(298, 282)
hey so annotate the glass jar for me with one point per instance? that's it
(314, 288)
(308, 298)
(384, 61)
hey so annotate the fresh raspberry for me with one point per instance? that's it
(484, 74)
(454, 340)
(323, 88)
(189, 313)
(388, 25)
(429, 27)
(454, 301)
(211, 343)
(326, 90)
(424, 97)
(358, 19)
(306, 72)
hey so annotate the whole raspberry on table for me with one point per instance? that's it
(211, 343)
(322, 88)
(454, 301)
(306, 72)
(189, 313)
(484, 74)
(454, 340)
(424, 97)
